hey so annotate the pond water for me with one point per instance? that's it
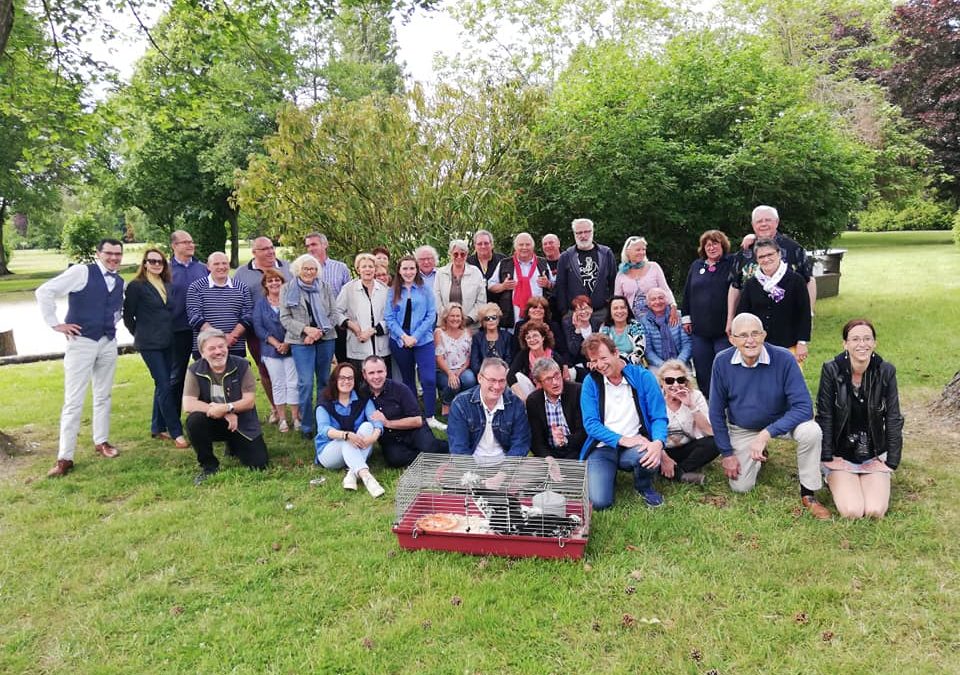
(20, 312)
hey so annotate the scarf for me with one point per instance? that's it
(627, 266)
(157, 283)
(770, 283)
(524, 288)
(668, 348)
(313, 302)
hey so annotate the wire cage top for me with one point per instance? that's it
(521, 506)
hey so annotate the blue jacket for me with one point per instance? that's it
(467, 422)
(655, 345)
(325, 422)
(423, 318)
(266, 323)
(653, 410)
(479, 351)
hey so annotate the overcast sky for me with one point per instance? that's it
(418, 40)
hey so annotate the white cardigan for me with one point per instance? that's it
(473, 287)
(353, 304)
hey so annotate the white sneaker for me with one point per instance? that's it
(283, 427)
(350, 481)
(434, 423)
(297, 425)
(273, 417)
(373, 487)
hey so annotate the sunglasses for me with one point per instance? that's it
(459, 254)
(154, 261)
(491, 318)
(675, 380)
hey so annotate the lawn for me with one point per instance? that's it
(126, 567)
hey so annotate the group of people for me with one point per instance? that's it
(564, 354)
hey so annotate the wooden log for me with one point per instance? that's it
(52, 356)
(8, 346)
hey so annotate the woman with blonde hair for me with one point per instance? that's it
(690, 445)
(637, 275)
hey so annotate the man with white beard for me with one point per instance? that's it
(587, 268)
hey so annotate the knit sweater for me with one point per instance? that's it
(771, 396)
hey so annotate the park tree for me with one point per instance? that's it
(198, 104)
(925, 79)
(41, 125)
(397, 170)
(669, 147)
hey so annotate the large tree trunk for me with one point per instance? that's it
(3, 215)
(949, 402)
(6, 22)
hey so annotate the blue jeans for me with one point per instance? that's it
(704, 351)
(467, 380)
(424, 358)
(165, 416)
(602, 465)
(313, 363)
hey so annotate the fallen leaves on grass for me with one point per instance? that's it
(426, 624)
(595, 626)
(826, 635)
(276, 546)
(456, 601)
(628, 620)
(631, 547)
(845, 544)
(630, 590)
(367, 643)
(587, 567)
(176, 610)
(719, 501)
(636, 575)
(801, 618)
(696, 655)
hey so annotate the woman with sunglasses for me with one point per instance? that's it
(460, 283)
(690, 445)
(148, 315)
(490, 340)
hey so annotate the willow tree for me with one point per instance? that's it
(396, 170)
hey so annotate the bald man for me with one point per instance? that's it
(519, 278)
(217, 301)
(251, 275)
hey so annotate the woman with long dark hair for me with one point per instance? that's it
(148, 315)
(346, 431)
(858, 410)
(411, 316)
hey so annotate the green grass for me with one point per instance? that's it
(126, 567)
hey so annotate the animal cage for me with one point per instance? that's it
(523, 506)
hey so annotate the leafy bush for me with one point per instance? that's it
(876, 219)
(81, 234)
(956, 228)
(916, 215)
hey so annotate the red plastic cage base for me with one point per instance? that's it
(515, 546)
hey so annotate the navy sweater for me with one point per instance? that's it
(770, 396)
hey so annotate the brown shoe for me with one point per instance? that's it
(816, 509)
(62, 468)
(106, 450)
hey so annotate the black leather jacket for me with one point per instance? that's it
(884, 421)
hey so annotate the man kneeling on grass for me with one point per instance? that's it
(626, 422)
(219, 398)
(757, 393)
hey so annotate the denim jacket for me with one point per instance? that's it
(467, 422)
(423, 317)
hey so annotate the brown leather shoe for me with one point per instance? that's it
(106, 450)
(816, 509)
(62, 468)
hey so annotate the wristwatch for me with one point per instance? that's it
(229, 407)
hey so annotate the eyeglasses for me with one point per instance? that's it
(491, 318)
(459, 254)
(183, 241)
(154, 261)
(345, 378)
(861, 340)
(754, 334)
(583, 309)
(264, 248)
(769, 256)
(675, 380)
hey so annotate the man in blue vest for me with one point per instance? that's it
(94, 300)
